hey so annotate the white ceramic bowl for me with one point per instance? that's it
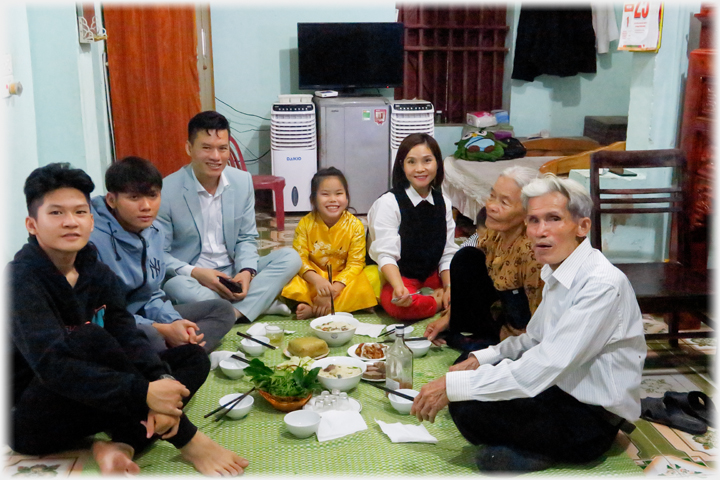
(406, 331)
(240, 409)
(334, 339)
(254, 348)
(400, 404)
(342, 384)
(233, 368)
(302, 423)
(419, 347)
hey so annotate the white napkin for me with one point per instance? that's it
(400, 433)
(338, 423)
(257, 329)
(369, 329)
(220, 355)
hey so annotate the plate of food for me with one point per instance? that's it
(368, 351)
(374, 372)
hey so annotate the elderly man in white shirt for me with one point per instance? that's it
(561, 391)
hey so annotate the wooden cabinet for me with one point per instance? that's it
(696, 138)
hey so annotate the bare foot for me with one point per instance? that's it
(209, 458)
(304, 311)
(115, 458)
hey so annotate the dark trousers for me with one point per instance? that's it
(45, 422)
(473, 294)
(214, 318)
(553, 423)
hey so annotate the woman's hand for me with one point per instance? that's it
(446, 297)
(403, 295)
(436, 327)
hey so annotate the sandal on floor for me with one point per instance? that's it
(696, 404)
(656, 410)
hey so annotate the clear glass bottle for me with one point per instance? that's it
(399, 363)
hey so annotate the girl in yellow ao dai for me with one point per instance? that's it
(330, 235)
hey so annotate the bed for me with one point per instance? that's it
(468, 183)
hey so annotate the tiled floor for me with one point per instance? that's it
(658, 449)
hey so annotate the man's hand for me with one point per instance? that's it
(431, 399)
(436, 327)
(208, 277)
(470, 364)
(403, 295)
(243, 278)
(179, 332)
(165, 396)
(164, 425)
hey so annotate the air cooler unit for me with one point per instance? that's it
(293, 143)
(406, 117)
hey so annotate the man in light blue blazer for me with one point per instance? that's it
(208, 214)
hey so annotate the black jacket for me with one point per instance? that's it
(44, 311)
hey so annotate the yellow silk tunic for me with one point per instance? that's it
(342, 247)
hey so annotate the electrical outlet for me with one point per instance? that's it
(5, 86)
(6, 67)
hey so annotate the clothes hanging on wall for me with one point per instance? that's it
(605, 25)
(554, 42)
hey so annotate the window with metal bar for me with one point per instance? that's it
(454, 57)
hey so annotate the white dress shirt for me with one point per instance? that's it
(214, 253)
(384, 224)
(586, 337)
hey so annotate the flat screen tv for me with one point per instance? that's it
(348, 56)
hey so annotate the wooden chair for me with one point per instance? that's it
(262, 182)
(558, 146)
(669, 288)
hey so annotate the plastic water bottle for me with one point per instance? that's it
(399, 363)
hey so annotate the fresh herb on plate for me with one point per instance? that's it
(285, 382)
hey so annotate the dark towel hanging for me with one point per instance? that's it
(554, 41)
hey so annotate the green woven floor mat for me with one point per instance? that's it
(262, 438)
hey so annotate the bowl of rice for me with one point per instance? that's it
(336, 329)
(341, 373)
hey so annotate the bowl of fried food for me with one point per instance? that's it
(368, 351)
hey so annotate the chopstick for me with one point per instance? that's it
(389, 390)
(406, 339)
(256, 340)
(238, 357)
(387, 332)
(229, 405)
(332, 302)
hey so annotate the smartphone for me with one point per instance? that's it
(234, 287)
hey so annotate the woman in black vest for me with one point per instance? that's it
(412, 232)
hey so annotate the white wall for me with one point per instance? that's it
(61, 114)
(255, 60)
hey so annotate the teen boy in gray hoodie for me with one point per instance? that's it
(130, 242)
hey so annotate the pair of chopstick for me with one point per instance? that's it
(332, 302)
(238, 357)
(389, 390)
(256, 340)
(406, 339)
(230, 405)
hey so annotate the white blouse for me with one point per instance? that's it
(384, 224)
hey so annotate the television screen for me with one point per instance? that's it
(350, 55)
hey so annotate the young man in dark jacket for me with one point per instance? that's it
(80, 366)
